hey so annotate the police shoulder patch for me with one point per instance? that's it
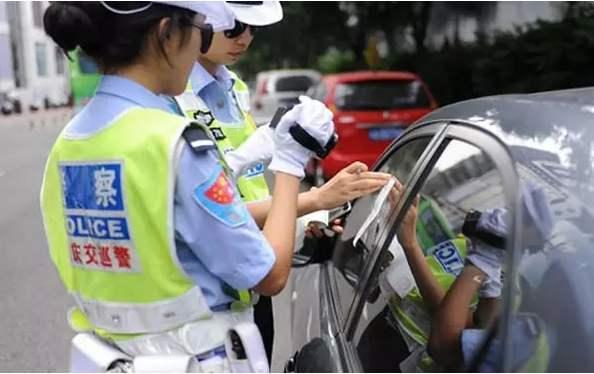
(217, 195)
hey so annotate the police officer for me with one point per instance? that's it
(146, 230)
(218, 98)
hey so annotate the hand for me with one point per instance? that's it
(350, 183)
(407, 233)
(314, 230)
(289, 156)
(259, 147)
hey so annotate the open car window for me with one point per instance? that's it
(349, 260)
(398, 314)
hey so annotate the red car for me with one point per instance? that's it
(371, 108)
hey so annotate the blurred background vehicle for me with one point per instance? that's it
(371, 108)
(6, 105)
(276, 88)
(84, 78)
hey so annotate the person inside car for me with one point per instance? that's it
(457, 337)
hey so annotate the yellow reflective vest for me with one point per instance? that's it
(109, 225)
(251, 185)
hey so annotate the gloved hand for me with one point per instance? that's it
(486, 258)
(259, 147)
(289, 156)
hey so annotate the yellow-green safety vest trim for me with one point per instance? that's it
(410, 312)
(252, 185)
(151, 292)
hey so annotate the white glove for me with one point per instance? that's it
(289, 156)
(259, 147)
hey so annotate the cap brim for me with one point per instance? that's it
(267, 13)
(217, 13)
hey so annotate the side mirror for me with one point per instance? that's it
(314, 357)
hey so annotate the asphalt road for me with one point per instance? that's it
(34, 334)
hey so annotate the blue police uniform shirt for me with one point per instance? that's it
(217, 93)
(211, 249)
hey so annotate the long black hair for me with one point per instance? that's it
(113, 39)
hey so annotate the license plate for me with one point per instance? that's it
(387, 133)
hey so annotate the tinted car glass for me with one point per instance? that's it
(463, 179)
(381, 95)
(551, 137)
(296, 83)
(560, 273)
(349, 260)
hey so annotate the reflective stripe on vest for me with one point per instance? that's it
(108, 216)
(252, 185)
(446, 261)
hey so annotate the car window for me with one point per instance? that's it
(381, 95)
(349, 260)
(560, 272)
(463, 179)
(294, 83)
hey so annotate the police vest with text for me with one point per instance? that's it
(108, 218)
(446, 261)
(229, 136)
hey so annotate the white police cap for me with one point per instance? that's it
(257, 13)
(217, 13)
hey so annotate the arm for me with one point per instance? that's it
(279, 230)
(430, 289)
(452, 317)
(350, 183)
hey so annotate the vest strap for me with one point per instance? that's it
(135, 318)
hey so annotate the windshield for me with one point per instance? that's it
(296, 83)
(381, 95)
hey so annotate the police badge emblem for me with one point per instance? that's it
(203, 118)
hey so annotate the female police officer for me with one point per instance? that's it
(220, 99)
(143, 225)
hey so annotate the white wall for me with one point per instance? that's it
(39, 87)
(6, 73)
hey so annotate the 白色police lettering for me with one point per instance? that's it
(96, 217)
(448, 257)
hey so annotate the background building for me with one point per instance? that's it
(39, 69)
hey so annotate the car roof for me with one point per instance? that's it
(518, 117)
(371, 75)
(288, 72)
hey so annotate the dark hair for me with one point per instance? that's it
(113, 40)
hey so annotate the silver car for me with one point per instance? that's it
(473, 155)
(276, 88)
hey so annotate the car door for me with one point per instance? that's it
(469, 169)
(323, 295)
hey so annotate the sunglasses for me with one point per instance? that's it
(206, 35)
(238, 29)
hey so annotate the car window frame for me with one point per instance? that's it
(332, 319)
(436, 131)
(499, 153)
